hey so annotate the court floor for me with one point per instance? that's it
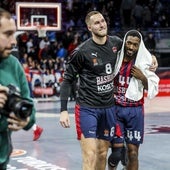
(58, 148)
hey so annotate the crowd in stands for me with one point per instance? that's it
(44, 58)
(119, 13)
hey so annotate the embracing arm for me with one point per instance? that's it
(154, 64)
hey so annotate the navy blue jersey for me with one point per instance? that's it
(121, 83)
(94, 64)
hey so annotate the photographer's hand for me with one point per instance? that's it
(3, 95)
(15, 123)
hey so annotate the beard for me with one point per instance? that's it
(1, 53)
(5, 53)
(130, 53)
(100, 34)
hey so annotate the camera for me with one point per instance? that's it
(21, 107)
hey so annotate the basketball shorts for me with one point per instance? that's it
(129, 125)
(95, 122)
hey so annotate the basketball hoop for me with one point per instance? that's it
(41, 31)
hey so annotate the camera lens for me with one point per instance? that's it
(23, 109)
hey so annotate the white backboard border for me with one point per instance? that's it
(31, 26)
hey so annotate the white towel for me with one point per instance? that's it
(143, 62)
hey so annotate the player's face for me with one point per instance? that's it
(98, 25)
(131, 46)
(7, 38)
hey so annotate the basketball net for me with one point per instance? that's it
(41, 31)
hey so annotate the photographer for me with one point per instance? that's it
(16, 107)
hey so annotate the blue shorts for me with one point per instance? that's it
(130, 125)
(95, 123)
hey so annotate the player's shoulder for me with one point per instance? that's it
(84, 46)
(115, 42)
(114, 38)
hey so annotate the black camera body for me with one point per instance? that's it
(20, 106)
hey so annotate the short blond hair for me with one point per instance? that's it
(91, 13)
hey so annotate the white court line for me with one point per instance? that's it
(42, 114)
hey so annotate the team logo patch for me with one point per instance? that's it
(18, 152)
(106, 132)
(114, 49)
(95, 61)
(94, 58)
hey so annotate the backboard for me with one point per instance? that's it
(30, 15)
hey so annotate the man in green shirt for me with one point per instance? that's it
(11, 72)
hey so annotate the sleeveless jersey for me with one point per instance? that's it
(121, 83)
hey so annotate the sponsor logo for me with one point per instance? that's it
(106, 132)
(41, 91)
(94, 54)
(95, 61)
(114, 49)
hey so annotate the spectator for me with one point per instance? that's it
(138, 14)
(29, 44)
(150, 42)
(147, 17)
(37, 130)
(126, 9)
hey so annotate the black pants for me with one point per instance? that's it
(3, 166)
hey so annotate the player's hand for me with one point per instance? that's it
(64, 119)
(3, 95)
(154, 64)
(136, 72)
(15, 123)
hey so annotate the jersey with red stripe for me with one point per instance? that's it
(121, 82)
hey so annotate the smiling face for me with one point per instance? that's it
(97, 25)
(131, 46)
(7, 38)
